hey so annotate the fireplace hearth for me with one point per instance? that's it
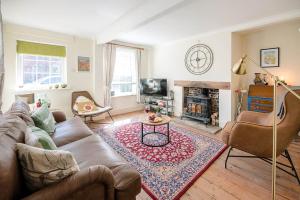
(201, 104)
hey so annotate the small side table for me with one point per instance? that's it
(165, 121)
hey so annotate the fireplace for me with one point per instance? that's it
(201, 104)
(220, 101)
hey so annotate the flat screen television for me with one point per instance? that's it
(153, 87)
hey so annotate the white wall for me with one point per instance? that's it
(121, 104)
(91, 81)
(60, 99)
(168, 62)
(284, 35)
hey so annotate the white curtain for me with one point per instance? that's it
(138, 72)
(109, 59)
(1, 60)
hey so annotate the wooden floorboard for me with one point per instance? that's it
(246, 179)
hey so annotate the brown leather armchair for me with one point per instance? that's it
(252, 133)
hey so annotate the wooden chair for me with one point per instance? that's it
(99, 111)
(252, 133)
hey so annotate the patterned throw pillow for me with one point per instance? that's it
(22, 110)
(44, 119)
(37, 137)
(42, 167)
(84, 105)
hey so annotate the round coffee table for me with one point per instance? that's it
(165, 121)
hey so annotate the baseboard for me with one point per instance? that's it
(114, 112)
(126, 110)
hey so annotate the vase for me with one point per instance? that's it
(257, 79)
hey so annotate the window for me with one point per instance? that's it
(40, 65)
(125, 73)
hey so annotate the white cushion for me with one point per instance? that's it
(98, 110)
(84, 104)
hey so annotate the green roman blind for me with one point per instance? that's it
(24, 47)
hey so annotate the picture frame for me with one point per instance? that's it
(270, 57)
(84, 64)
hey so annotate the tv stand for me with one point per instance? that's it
(165, 104)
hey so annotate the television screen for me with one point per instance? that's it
(153, 87)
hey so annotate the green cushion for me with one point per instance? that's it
(37, 137)
(44, 119)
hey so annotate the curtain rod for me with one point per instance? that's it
(123, 45)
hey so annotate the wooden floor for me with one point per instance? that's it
(244, 178)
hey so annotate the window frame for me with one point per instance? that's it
(134, 92)
(20, 73)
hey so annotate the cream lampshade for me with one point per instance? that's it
(239, 67)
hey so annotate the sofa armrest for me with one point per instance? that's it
(59, 116)
(78, 182)
(127, 182)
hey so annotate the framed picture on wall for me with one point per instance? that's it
(269, 57)
(83, 64)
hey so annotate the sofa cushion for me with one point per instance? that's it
(93, 150)
(44, 119)
(37, 137)
(22, 110)
(69, 131)
(44, 167)
(12, 131)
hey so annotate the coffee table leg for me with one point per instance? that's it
(142, 133)
(168, 129)
(154, 128)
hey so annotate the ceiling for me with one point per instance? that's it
(78, 17)
(141, 21)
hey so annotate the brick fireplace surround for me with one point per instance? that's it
(200, 100)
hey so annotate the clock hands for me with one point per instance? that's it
(198, 59)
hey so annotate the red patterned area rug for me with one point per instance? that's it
(167, 172)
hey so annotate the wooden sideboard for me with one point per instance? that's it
(260, 98)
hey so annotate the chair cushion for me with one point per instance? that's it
(44, 119)
(98, 110)
(43, 167)
(37, 137)
(69, 131)
(83, 105)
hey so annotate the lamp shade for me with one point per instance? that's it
(239, 67)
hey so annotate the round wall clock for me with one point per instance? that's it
(199, 59)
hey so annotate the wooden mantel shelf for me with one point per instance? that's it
(203, 84)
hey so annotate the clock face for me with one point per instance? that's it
(199, 59)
